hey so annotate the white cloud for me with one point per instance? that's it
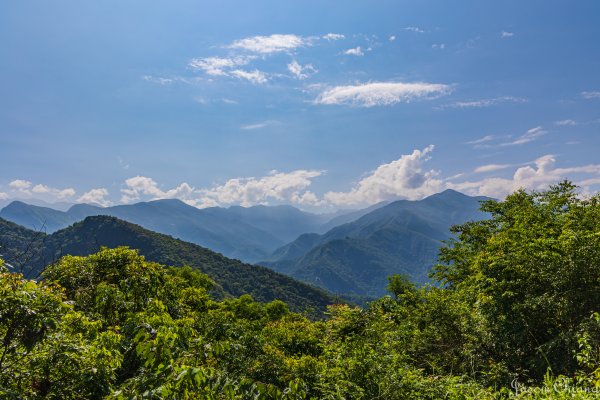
(491, 168)
(228, 101)
(158, 80)
(270, 44)
(26, 189)
(256, 77)
(95, 196)
(255, 126)
(279, 186)
(505, 34)
(381, 93)
(529, 136)
(485, 102)
(20, 184)
(3, 196)
(300, 71)
(402, 178)
(414, 29)
(333, 36)
(539, 176)
(218, 66)
(590, 95)
(565, 122)
(175, 79)
(392, 38)
(440, 46)
(354, 52)
(60, 194)
(140, 185)
(485, 139)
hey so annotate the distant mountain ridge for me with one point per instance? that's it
(249, 234)
(357, 257)
(24, 248)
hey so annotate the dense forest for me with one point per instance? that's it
(512, 312)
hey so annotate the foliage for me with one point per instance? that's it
(516, 317)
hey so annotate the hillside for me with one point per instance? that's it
(87, 237)
(357, 257)
(246, 233)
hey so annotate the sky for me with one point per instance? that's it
(319, 104)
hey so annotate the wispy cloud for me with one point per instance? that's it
(301, 71)
(392, 38)
(217, 66)
(259, 125)
(485, 139)
(414, 29)
(565, 122)
(505, 34)
(485, 102)
(271, 44)
(528, 137)
(357, 51)
(590, 95)
(491, 168)
(333, 36)
(381, 93)
(439, 46)
(256, 77)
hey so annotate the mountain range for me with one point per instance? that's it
(357, 257)
(246, 233)
(29, 251)
(350, 253)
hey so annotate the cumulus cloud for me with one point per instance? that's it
(140, 185)
(357, 51)
(333, 36)
(590, 95)
(278, 186)
(537, 176)
(270, 44)
(301, 71)
(505, 34)
(402, 178)
(26, 189)
(485, 102)
(288, 187)
(381, 93)
(256, 77)
(95, 196)
(60, 194)
(20, 185)
(3, 196)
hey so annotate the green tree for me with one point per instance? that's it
(532, 273)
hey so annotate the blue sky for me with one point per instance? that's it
(318, 104)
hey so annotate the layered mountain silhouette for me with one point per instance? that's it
(248, 234)
(29, 252)
(357, 257)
